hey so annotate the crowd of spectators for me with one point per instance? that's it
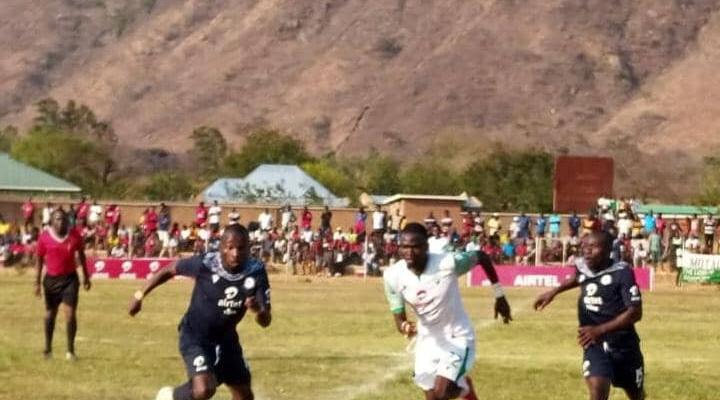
(286, 235)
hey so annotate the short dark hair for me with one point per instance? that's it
(235, 230)
(606, 237)
(416, 229)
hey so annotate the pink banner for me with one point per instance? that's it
(525, 276)
(121, 268)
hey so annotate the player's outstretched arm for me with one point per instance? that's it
(591, 333)
(546, 298)
(502, 307)
(263, 316)
(158, 279)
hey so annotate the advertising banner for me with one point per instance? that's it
(540, 276)
(121, 268)
(704, 268)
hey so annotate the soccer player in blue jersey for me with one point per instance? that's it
(227, 284)
(608, 308)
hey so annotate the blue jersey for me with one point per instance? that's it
(218, 298)
(606, 294)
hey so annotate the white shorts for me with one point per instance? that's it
(451, 359)
(164, 237)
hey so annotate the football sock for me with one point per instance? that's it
(71, 331)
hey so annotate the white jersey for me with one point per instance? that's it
(214, 214)
(434, 295)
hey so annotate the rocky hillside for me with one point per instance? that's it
(633, 79)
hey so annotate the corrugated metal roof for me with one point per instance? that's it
(273, 183)
(16, 176)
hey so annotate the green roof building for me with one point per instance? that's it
(18, 177)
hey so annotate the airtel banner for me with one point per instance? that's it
(119, 268)
(524, 276)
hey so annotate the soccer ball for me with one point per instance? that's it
(165, 393)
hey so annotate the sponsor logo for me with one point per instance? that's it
(154, 266)
(606, 280)
(536, 281)
(199, 364)
(99, 266)
(127, 266)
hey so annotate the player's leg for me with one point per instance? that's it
(444, 389)
(70, 296)
(241, 392)
(200, 387)
(454, 362)
(52, 297)
(598, 387)
(199, 358)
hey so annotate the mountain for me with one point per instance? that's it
(628, 79)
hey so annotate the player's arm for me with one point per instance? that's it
(38, 273)
(546, 298)
(591, 333)
(158, 279)
(83, 266)
(397, 308)
(260, 303)
(466, 260)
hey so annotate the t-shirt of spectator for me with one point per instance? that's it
(286, 218)
(437, 245)
(151, 221)
(28, 209)
(164, 221)
(46, 213)
(82, 210)
(695, 226)
(96, 210)
(306, 220)
(265, 220)
(523, 226)
(649, 223)
(624, 226)
(555, 224)
(540, 226)
(233, 218)
(709, 226)
(378, 220)
(59, 253)
(214, 214)
(325, 219)
(201, 214)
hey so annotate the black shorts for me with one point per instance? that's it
(624, 367)
(61, 289)
(223, 358)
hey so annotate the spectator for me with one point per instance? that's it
(540, 225)
(649, 223)
(446, 221)
(574, 224)
(655, 246)
(28, 212)
(360, 228)
(378, 221)
(660, 224)
(214, 216)
(287, 219)
(47, 212)
(164, 225)
(83, 209)
(508, 249)
(397, 222)
(325, 221)
(151, 221)
(430, 220)
(306, 219)
(709, 226)
(555, 222)
(494, 226)
(266, 220)
(72, 216)
(233, 217)
(201, 214)
(695, 225)
(625, 223)
(96, 213)
(523, 229)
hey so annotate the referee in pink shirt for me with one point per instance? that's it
(56, 249)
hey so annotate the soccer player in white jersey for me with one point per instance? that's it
(445, 349)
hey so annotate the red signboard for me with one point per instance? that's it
(580, 181)
(125, 268)
(525, 276)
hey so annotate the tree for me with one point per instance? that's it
(8, 135)
(329, 175)
(71, 157)
(209, 149)
(430, 177)
(710, 182)
(266, 147)
(519, 181)
(169, 186)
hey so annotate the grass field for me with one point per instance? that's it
(334, 339)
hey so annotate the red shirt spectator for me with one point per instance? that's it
(151, 221)
(306, 219)
(28, 211)
(59, 253)
(83, 209)
(150, 245)
(201, 214)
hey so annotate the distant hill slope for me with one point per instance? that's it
(630, 79)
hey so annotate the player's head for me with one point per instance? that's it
(596, 249)
(414, 245)
(59, 221)
(234, 247)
